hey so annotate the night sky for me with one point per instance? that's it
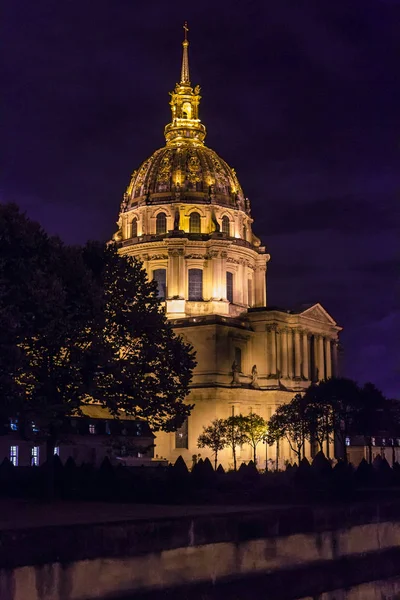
(301, 97)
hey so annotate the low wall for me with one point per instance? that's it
(238, 549)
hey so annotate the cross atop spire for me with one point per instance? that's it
(185, 79)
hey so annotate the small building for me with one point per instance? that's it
(87, 439)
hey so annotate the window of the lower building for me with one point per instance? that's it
(14, 455)
(182, 436)
(160, 277)
(35, 456)
(195, 284)
(107, 428)
(134, 228)
(372, 441)
(56, 450)
(161, 223)
(195, 223)
(14, 424)
(35, 428)
(238, 358)
(229, 286)
(225, 225)
(92, 428)
(347, 441)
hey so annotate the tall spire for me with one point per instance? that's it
(185, 79)
(185, 127)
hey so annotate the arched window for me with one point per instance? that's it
(160, 276)
(161, 223)
(195, 284)
(229, 286)
(194, 223)
(244, 232)
(134, 228)
(226, 226)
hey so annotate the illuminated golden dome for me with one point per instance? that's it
(185, 170)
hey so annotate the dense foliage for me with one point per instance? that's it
(80, 324)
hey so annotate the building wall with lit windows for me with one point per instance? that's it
(185, 217)
(87, 439)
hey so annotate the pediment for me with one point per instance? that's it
(318, 313)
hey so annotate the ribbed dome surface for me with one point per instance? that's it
(187, 173)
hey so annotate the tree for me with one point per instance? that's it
(255, 428)
(235, 434)
(318, 419)
(343, 398)
(214, 437)
(374, 415)
(144, 369)
(289, 422)
(46, 304)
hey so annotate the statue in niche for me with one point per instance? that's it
(215, 222)
(254, 377)
(235, 374)
(176, 220)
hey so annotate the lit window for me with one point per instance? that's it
(35, 429)
(195, 284)
(194, 223)
(57, 451)
(226, 227)
(383, 442)
(181, 436)
(14, 424)
(161, 223)
(35, 456)
(229, 286)
(14, 455)
(160, 276)
(347, 441)
(372, 441)
(134, 228)
(92, 428)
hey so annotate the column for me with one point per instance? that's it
(297, 354)
(305, 364)
(328, 358)
(173, 273)
(278, 353)
(222, 281)
(321, 365)
(290, 354)
(284, 353)
(216, 275)
(272, 347)
(182, 276)
(315, 373)
(335, 365)
(260, 292)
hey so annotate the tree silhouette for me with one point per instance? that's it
(214, 437)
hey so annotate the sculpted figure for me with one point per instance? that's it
(235, 374)
(254, 377)
(176, 220)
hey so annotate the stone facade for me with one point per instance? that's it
(185, 216)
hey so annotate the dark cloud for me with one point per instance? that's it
(302, 98)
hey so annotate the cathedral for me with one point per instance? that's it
(184, 215)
